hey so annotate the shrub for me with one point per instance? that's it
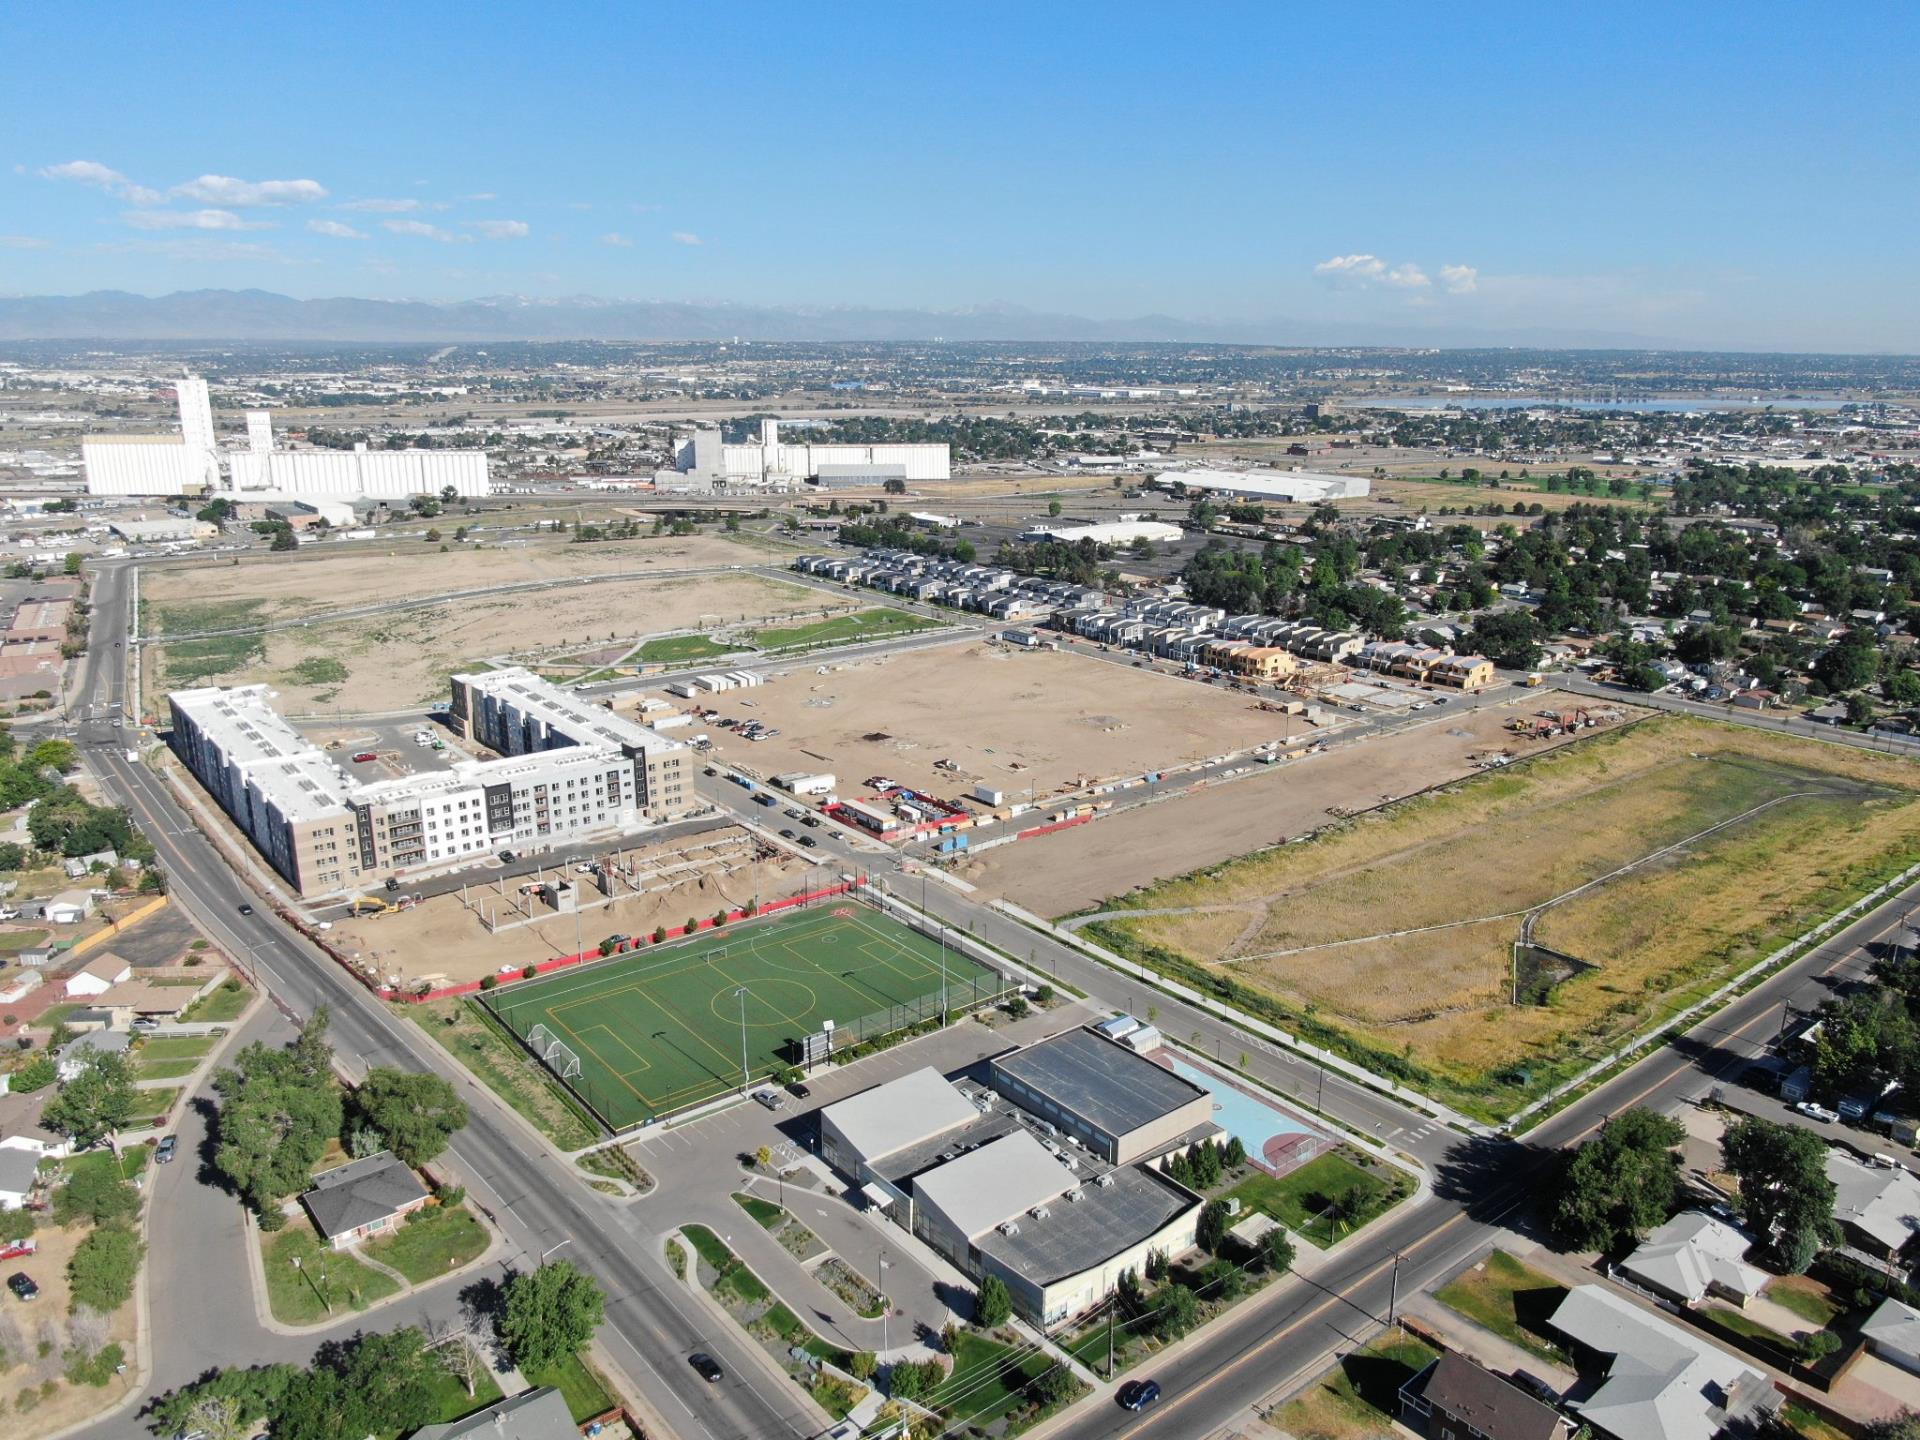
(719, 918)
(96, 1369)
(488, 982)
(1043, 994)
(862, 1365)
(659, 934)
(527, 972)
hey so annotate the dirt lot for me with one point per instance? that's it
(1655, 859)
(388, 661)
(1045, 719)
(443, 941)
(286, 587)
(1074, 869)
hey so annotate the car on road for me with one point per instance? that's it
(798, 1090)
(793, 812)
(363, 756)
(812, 822)
(163, 1152)
(507, 857)
(145, 1022)
(393, 882)
(711, 770)
(706, 1367)
(1817, 1112)
(787, 834)
(22, 1286)
(246, 909)
(808, 841)
(1139, 1394)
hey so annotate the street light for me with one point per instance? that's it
(745, 1080)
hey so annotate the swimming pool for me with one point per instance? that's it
(1271, 1135)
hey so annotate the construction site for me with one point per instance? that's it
(1487, 937)
(410, 943)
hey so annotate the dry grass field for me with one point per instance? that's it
(1393, 934)
(403, 657)
(1047, 719)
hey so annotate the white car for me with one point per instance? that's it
(1817, 1112)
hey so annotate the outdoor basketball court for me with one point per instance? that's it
(660, 1029)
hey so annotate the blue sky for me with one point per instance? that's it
(1483, 168)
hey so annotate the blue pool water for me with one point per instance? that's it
(1239, 1113)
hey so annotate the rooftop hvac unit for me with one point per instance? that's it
(1105, 1181)
(1010, 1228)
(1039, 1212)
(1075, 1195)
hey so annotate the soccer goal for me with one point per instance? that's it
(556, 1056)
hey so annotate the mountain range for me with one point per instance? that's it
(261, 315)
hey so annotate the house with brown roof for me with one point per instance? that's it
(1454, 1399)
(98, 975)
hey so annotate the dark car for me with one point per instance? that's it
(506, 857)
(799, 1091)
(808, 841)
(706, 1367)
(1139, 1394)
(22, 1286)
(163, 1152)
(787, 834)
(246, 909)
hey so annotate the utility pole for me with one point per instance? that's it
(1393, 1295)
(741, 996)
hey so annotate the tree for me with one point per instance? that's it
(1236, 1152)
(1276, 1251)
(550, 1315)
(1511, 640)
(1211, 1231)
(1620, 1184)
(415, 1114)
(994, 1304)
(73, 562)
(278, 1110)
(1853, 661)
(95, 1103)
(96, 1194)
(283, 539)
(13, 857)
(218, 1417)
(38, 1073)
(1053, 508)
(1785, 1195)
(103, 1267)
(1053, 1386)
(862, 1365)
(1179, 1312)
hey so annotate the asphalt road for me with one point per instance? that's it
(651, 1325)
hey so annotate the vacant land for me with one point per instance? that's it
(1329, 1197)
(877, 624)
(444, 941)
(1658, 858)
(1044, 721)
(1071, 870)
(405, 656)
(1360, 1397)
(1510, 1299)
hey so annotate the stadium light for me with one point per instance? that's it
(741, 996)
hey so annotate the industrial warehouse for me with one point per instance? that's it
(197, 464)
(566, 771)
(705, 463)
(1047, 1175)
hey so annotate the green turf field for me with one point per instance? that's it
(659, 1029)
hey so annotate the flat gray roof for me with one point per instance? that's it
(1100, 1080)
(1078, 1235)
(581, 722)
(914, 1109)
(1000, 1181)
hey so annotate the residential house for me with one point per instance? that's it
(81, 865)
(20, 1127)
(73, 1057)
(1455, 1399)
(133, 1000)
(1893, 1333)
(17, 1171)
(1693, 1256)
(363, 1198)
(69, 907)
(1878, 1208)
(1660, 1382)
(98, 976)
(19, 986)
(1465, 672)
(534, 1415)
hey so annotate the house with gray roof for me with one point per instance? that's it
(536, 1415)
(363, 1198)
(1693, 1256)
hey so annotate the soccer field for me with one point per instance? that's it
(659, 1029)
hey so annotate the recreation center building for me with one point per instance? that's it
(566, 771)
(1048, 1175)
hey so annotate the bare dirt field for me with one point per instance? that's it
(445, 941)
(1649, 862)
(1013, 719)
(308, 582)
(389, 661)
(1065, 872)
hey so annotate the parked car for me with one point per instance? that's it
(1139, 1394)
(767, 1098)
(163, 1152)
(22, 1286)
(1817, 1112)
(706, 1367)
(364, 756)
(507, 857)
(799, 1091)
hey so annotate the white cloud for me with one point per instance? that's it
(1360, 266)
(339, 230)
(501, 229)
(192, 220)
(687, 237)
(1460, 279)
(23, 242)
(425, 231)
(382, 207)
(615, 238)
(100, 177)
(1406, 277)
(482, 195)
(225, 190)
